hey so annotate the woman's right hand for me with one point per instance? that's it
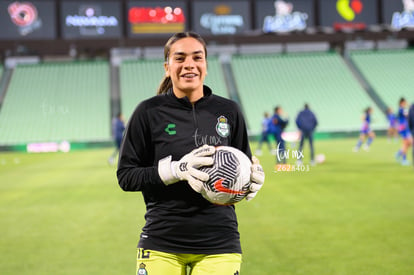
(187, 167)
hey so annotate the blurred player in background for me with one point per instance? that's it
(160, 156)
(264, 135)
(306, 122)
(366, 134)
(404, 132)
(277, 125)
(411, 125)
(118, 127)
(392, 131)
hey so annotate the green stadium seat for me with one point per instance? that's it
(290, 80)
(389, 72)
(55, 102)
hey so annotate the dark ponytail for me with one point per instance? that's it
(166, 82)
(165, 85)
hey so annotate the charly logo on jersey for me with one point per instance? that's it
(142, 270)
(222, 127)
(170, 129)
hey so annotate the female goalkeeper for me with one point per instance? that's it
(167, 139)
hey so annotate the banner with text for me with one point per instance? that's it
(221, 17)
(86, 20)
(284, 16)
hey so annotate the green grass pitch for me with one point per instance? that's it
(65, 214)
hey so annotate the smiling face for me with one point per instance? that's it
(187, 67)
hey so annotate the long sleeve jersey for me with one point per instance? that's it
(402, 119)
(178, 219)
(411, 118)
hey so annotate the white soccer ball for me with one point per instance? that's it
(229, 180)
(320, 158)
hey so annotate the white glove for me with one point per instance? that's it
(187, 167)
(257, 178)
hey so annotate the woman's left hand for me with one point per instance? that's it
(257, 178)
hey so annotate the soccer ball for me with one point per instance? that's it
(229, 176)
(320, 158)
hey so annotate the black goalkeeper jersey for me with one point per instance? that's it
(178, 219)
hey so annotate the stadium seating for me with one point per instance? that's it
(320, 79)
(139, 80)
(71, 100)
(55, 102)
(389, 72)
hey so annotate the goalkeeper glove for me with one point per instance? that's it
(187, 167)
(257, 178)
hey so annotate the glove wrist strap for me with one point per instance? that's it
(166, 170)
